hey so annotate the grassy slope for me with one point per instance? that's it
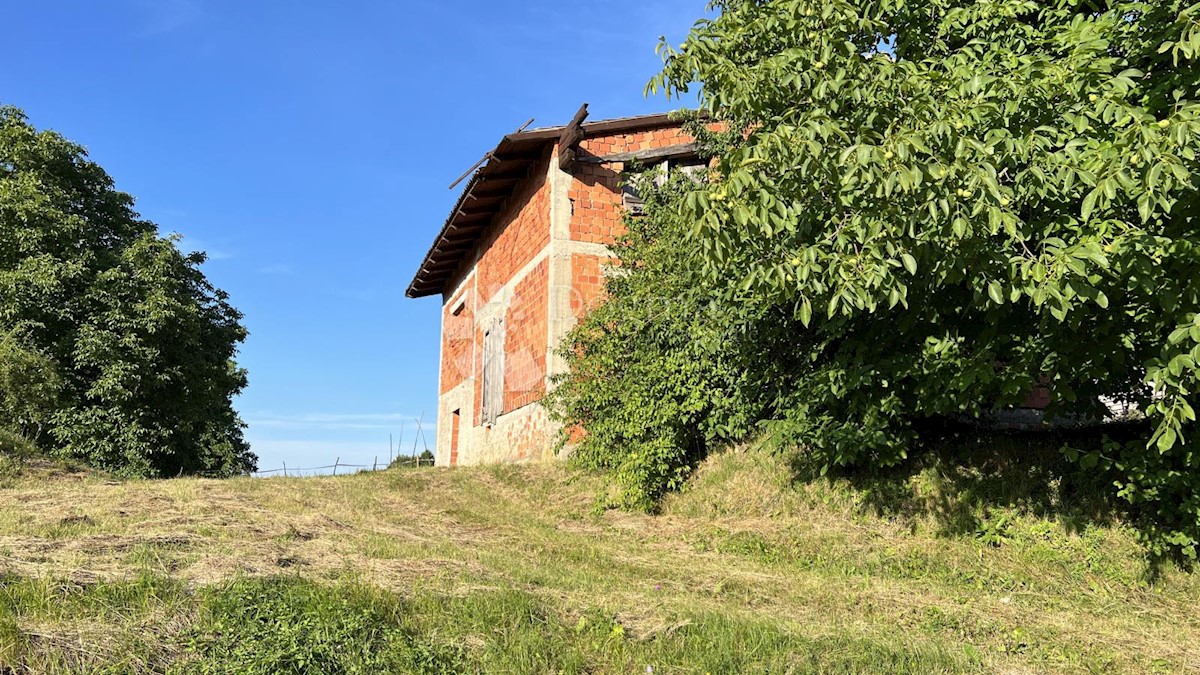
(509, 569)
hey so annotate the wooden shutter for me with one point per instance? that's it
(632, 201)
(493, 372)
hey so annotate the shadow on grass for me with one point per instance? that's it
(957, 475)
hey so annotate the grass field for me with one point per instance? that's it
(988, 565)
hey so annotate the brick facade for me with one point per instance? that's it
(525, 349)
(458, 339)
(522, 232)
(648, 139)
(587, 283)
(538, 268)
(596, 197)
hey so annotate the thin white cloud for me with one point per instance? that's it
(367, 421)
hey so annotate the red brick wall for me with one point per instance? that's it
(596, 204)
(595, 192)
(632, 142)
(519, 234)
(526, 323)
(587, 283)
(458, 340)
(455, 430)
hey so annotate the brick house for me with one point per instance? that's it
(518, 261)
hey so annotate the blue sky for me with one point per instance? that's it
(307, 148)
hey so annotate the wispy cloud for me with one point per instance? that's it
(166, 16)
(382, 421)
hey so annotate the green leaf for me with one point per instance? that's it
(996, 292)
(1089, 205)
(1166, 440)
(910, 263)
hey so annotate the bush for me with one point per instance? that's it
(651, 376)
(426, 458)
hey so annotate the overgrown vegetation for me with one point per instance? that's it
(651, 373)
(970, 561)
(114, 348)
(924, 210)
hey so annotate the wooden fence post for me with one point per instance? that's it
(335, 465)
(285, 469)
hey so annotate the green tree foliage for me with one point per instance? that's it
(122, 337)
(650, 374)
(954, 200)
(30, 386)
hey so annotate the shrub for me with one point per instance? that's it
(651, 377)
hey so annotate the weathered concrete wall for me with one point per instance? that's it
(522, 435)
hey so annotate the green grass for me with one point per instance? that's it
(972, 561)
(290, 625)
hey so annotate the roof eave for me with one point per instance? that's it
(424, 282)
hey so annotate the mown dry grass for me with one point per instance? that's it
(827, 562)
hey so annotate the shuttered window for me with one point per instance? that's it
(632, 200)
(693, 167)
(493, 372)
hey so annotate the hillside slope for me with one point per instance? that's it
(511, 569)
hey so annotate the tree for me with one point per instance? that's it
(143, 344)
(955, 201)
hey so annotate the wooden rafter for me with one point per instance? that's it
(570, 138)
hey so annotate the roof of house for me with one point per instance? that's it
(489, 188)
